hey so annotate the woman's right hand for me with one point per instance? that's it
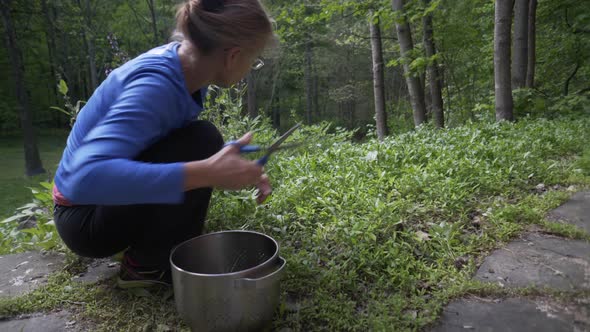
(228, 170)
(224, 170)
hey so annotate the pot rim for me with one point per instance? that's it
(240, 273)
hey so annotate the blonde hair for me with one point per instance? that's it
(214, 24)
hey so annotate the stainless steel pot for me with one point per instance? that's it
(227, 281)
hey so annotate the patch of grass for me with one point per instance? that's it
(100, 307)
(583, 163)
(565, 230)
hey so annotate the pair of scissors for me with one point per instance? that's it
(271, 149)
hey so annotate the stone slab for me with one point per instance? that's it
(575, 211)
(540, 260)
(514, 315)
(52, 322)
(22, 273)
(98, 270)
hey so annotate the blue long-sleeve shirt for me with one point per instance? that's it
(137, 105)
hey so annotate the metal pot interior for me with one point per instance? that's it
(224, 253)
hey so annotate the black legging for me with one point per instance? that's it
(150, 231)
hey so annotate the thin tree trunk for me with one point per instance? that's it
(308, 81)
(532, 40)
(251, 91)
(433, 72)
(503, 88)
(316, 106)
(33, 165)
(276, 118)
(378, 78)
(88, 36)
(566, 88)
(49, 11)
(406, 46)
(520, 48)
(274, 73)
(152, 8)
(446, 82)
(51, 48)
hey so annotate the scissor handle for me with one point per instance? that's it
(262, 161)
(244, 148)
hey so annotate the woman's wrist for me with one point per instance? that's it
(196, 175)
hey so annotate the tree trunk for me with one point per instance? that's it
(566, 87)
(308, 81)
(433, 72)
(378, 78)
(520, 48)
(33, 165)
(406, 44)
(316, 102)
(276, 115)
(503, 89)
(88, 36)
(51, 48)
(152, 8)
(251, 91)
(532, 40)
(50, 33)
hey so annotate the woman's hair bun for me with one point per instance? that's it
(213, 24)
(213, 6)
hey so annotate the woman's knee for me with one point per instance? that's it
(197, 141)
(206, 132)
(205, 135)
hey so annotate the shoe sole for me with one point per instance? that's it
(127, 284)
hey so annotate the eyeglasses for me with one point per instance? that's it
(258, 63)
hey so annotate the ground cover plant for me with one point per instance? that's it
(377, 235)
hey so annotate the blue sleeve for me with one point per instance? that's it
(104, 172)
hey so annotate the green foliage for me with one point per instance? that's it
(71, 110)
(42, 234)
(531, 103)
(583, 163)
(572, 105)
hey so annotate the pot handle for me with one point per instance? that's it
(253, 282)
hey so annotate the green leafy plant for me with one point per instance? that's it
(70, 109)
(373, 223)
(32, 226)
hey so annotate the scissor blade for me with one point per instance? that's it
(288, 146)
(281, 139)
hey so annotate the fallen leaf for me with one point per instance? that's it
(422, 236)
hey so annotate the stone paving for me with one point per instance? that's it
(52, 322)
(576, 211)
(539, 260)
(22, 273)
(514, 314)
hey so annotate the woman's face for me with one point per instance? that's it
(238, 62)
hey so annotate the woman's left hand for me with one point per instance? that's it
(264, 189)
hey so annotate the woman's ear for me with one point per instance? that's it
(232, 58)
